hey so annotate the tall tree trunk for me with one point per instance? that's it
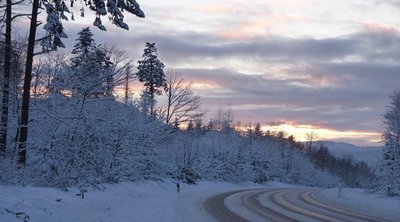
(169, 104)
(23, 130)
(127, 85)
(6, 81)
(152, 92)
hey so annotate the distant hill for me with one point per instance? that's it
(367, 154)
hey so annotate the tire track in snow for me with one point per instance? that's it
(308, 197)
(282, 205)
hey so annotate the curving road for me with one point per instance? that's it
(280, 205)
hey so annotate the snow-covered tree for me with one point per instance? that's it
(56, 10)
(222, 121)
(54, 29)
(11, 67)
(144, 102)
(388, 173)
(84, 43)
(90, 72)
(151, 73)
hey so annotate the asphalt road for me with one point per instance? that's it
(280, 205)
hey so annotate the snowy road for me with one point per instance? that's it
(283, 205)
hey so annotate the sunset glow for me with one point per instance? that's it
(300, 131)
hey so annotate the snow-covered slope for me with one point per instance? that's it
(367, 154)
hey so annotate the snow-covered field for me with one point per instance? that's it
(150, 201)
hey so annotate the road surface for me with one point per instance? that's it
(280, 205)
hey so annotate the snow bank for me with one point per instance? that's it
(360, 201)
(150, 201)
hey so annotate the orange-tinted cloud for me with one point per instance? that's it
(376, 27)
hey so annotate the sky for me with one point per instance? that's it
(296, 65)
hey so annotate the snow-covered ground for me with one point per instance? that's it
(360, 200)
(150, 201)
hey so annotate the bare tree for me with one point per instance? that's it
(9, 55)
(182, 104)
(128, 77)
(311, 137)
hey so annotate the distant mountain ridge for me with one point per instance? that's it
(368, 154)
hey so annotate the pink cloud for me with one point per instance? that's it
(216, 9)
(255, 27)
(376, 27)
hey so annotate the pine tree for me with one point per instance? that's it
(257, 130)
(84, 43)
(54, 29)
(150, 71)
(90, 68)
(388, 178)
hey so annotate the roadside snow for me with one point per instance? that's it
(150, 201)
(360, 201)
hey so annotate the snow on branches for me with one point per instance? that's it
(56, 10)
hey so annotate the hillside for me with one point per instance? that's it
(367, 154)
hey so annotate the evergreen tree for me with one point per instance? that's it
(84, 43)
(151, 73)
(257, 130)
(54, 29)
(144, 103)
(388, 175)
(91, 73)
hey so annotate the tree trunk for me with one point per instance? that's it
(169, 104)
(23, 130)
(6, 82)
(127, 85)
(152, 92)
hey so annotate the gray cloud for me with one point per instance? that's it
(343, 107)
(186, 46)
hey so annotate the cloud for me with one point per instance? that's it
(256, 98)
(389, 2)
(376, 27)
(195, 48)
